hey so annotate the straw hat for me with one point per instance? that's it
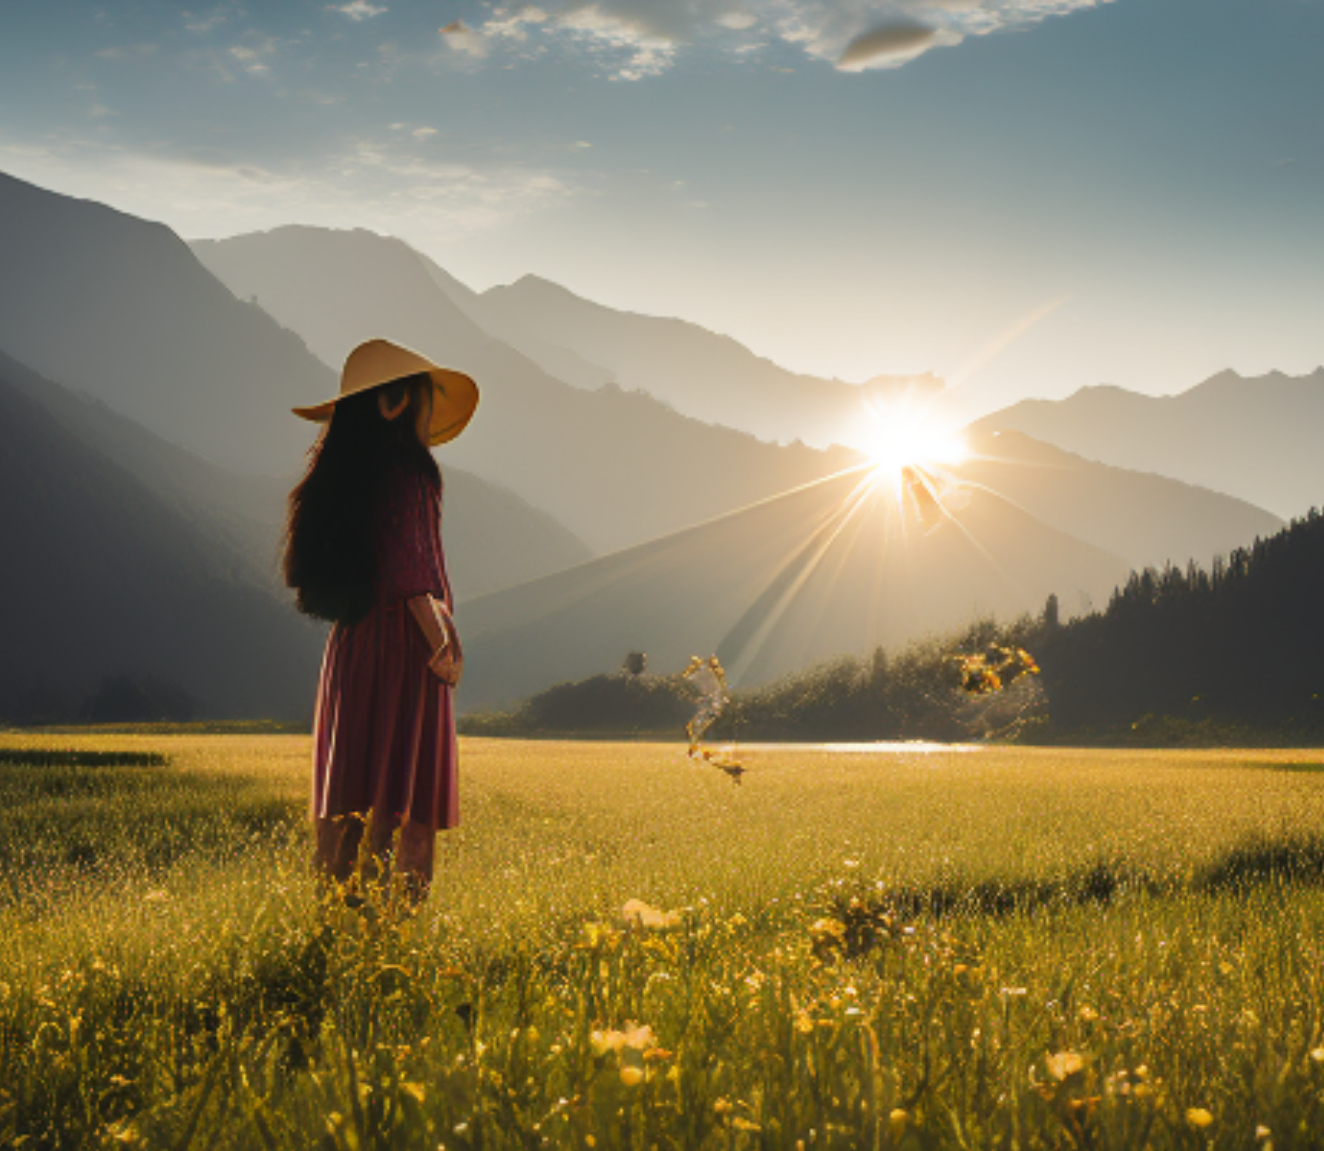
(377, 362)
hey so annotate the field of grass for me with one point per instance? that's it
(1014, 948)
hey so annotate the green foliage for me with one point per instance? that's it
(914, 695)
(999, 949)
(616, 705)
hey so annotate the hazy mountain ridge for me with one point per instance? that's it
(700, 373)
(240, 513)
(119, 308)
(697, 515)
(554, 358)
(832, 567)
(496, 539)
(111, 578)
(615, 467)
(86, 490)
(1149, 520)
(1254, 438)
(1029, 520)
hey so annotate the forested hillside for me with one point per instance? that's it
(1238, 642)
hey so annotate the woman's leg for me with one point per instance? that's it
(337, 850)
(418, 844)
(405, 847)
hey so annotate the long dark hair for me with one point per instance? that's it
(329, 554)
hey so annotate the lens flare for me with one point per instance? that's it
(914, 441)
(901, 436)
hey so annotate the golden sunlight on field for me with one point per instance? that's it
(920, 947)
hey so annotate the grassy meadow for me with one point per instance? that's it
(993, 947)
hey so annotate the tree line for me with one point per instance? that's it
(1240, 642)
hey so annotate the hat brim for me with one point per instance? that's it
(454, 401)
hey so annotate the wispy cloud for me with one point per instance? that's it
(641, 38)
(358, 10)
(422, 132)
(633, 39)
(252, 58)
(385, 185)
(126, 52)
(442, 196)
(204, 23)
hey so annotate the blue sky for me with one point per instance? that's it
(1132, 189)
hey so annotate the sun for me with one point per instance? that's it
(900, 435)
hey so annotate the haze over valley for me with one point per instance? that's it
(630, 482)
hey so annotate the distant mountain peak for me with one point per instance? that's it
(1252, 437)
(1100, 390)
(532, 281)
(1227, 378)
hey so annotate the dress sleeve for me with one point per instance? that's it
(408, 538)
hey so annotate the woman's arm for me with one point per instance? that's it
(435, 622)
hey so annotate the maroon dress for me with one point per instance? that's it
(384, 730)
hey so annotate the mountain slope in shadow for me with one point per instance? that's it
(615, 467)
(837, 566)
(104, 576)
(1257, 439)
(701, 373)
(1148, 520)
(119, 308)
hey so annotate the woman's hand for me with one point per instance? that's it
(447, 662)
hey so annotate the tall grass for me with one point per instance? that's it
(821, 959)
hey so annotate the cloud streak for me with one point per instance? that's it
(635, 39)
(358, 10)
(382, 184)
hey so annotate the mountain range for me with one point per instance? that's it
(588, 510)
(836, 566)
(1254, 438)
(1149, 520)
(616, 467)
(700, 373)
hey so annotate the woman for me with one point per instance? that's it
(363, 549)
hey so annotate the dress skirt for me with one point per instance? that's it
(384, 738)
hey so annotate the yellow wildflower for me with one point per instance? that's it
(1064, 1065)
(637, 911)
(640, 1038)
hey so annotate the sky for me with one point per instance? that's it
(1023, 196)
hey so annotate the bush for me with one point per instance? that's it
(623, 704)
